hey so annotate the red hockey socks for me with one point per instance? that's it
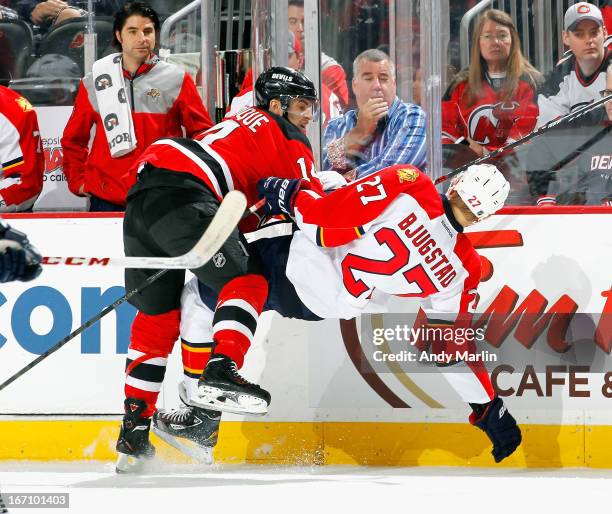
(151, 341)
(240, 303)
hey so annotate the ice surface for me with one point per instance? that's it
(185, 489)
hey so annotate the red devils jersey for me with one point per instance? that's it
(398, 236)
(21, 159)
(236, 153)
(490, 121)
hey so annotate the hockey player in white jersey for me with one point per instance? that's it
(391, 233)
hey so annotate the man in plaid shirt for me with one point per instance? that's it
(382, 131)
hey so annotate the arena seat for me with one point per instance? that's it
(68, 38)
(16, 42)
(52, 80)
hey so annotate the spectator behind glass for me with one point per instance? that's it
(594, 184)
(163, 101)
(575, 81)
(579, 77)
(329, 102)
(6, 13)
(493, 102)
(21, 159)
(48, 13)
(332, 74)
(383, 131)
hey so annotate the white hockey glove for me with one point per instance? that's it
(331, 180)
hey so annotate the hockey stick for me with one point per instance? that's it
(578, 151)
(532, 135)
(220, 228)
(223, 224)
(190, 260)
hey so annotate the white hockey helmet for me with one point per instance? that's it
(483, 189)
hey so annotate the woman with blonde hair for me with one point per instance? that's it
(493, 102)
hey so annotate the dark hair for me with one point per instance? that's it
(296, 3)
(130, 9)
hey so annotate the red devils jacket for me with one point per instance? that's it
(163, 98)
(490, 121)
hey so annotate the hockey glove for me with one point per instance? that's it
(280, 194)
(500, 427)
(19, 260)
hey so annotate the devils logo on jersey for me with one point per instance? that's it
(491, 124)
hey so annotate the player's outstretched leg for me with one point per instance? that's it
(500, 426)
(234, 322)
(221, 387)
(191, 430)
(133, 445)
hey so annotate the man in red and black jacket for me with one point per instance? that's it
(163, 100)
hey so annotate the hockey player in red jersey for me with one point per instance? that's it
(176, 188)
(390, 234)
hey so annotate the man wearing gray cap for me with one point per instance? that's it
(581, 75)
(575, 81)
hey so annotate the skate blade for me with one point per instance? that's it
(129, 464)
(227, 401)
(201, 454)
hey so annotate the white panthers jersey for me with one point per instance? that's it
(390, 233)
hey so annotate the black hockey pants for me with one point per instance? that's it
(166, 214)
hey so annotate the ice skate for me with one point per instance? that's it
(191, 430)
(133, 445)
(222, 388)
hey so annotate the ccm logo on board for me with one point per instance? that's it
(77, 261)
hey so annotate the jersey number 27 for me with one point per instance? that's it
(399, 259)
